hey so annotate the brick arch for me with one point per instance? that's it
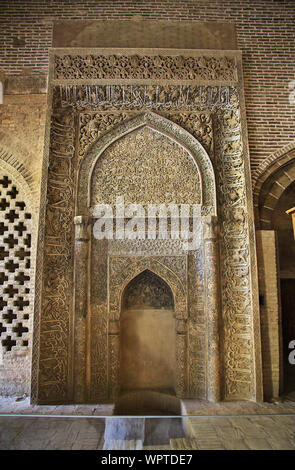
(274, 178)
(264, 169)
(21, 176)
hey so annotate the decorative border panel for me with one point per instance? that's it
(120, 65)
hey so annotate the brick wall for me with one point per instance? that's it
(270, 317)
(265, 32)
(22, 124)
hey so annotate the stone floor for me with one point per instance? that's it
(243, 432)
(194, 407)
(218, 426)
(205, 433)
(21, 405)
(52, 433)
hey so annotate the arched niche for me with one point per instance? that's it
(147, 335)
(177, 136)
(119, 282)
(274, 193)
(146, 167)
(121, 278)
(108, 275)
(269, 182)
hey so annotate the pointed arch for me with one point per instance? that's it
(162, 271)
(148, 277)
(117, 285)
(276, 158)
(273, 179)
(147, 335)
(163, 126)
(21, 176)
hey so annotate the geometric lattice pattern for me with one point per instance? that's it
(15, 264)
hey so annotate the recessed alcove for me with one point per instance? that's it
(147, 335)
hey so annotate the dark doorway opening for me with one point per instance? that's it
(288, 332)
(282, 223)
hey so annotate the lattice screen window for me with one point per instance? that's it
(15, 267)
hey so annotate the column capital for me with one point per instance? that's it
(210, 227)
(81, 223)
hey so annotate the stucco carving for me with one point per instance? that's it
(235, 262)
(170, 268)
(152, 97)
(93, 125)
(118, 67)
(57, 269)
(163, 126)
(147, 168)
(109, 111)
(101, 376)
(148, 289)
(146, 247)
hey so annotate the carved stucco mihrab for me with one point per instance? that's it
(94, 114)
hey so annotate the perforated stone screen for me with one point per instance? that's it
(15, 276)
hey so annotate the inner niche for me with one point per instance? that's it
(147, 335)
